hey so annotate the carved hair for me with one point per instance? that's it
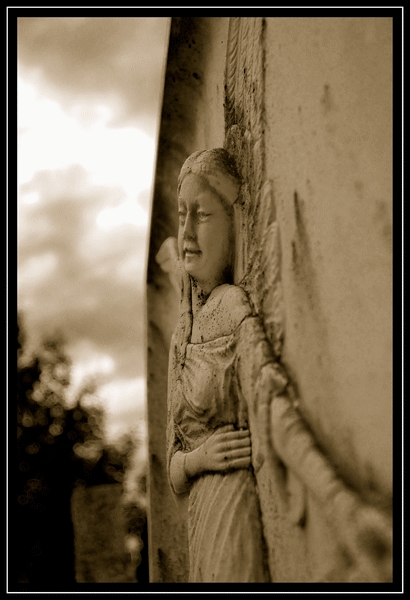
(217, 167)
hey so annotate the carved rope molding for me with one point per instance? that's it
(362, 530)
(258, 251)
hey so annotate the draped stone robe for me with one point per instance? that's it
(212, 377)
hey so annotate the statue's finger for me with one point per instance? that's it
(227, 446)
(239, 463)
(226, 429)
(237, 435)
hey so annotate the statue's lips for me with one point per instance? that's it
(188, 252)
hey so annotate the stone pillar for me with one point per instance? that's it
(192, 117)
(100, 536)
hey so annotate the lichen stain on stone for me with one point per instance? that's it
(327, 100)
(301, 251)
(309, 187)
(382, 220)
(358, 186)
(156, 463)
(164, 566)
(329, 108)
(303, 266)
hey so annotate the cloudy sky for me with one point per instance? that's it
(89, 97)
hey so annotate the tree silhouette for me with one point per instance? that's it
(58, 447)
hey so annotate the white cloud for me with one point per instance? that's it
(124, 402)
(124, 394)
(133, 268)
(29, 198)
(120, 161)
(50, 138)
(36, 269)
(129, 211)
(89, 362)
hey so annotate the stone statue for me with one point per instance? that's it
(221, 364)
(209, 445)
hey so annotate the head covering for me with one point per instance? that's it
(218, 168)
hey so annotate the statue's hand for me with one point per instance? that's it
(224, 450)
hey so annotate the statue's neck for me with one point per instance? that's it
(199, 296)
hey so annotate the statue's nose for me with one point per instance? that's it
(189, 227)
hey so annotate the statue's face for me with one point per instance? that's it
(205, 236)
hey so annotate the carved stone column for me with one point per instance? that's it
(192, 118)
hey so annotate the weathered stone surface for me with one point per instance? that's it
(193, 88)
(312, 253)
(332, 181)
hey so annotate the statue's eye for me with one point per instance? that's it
(182, 215)
(202, 215)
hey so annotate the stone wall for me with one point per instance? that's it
(323, 91)
(329, 155)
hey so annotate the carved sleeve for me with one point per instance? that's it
(177, 477)
(359, 526)
(174, 447)
(255, 357)
(260, 378)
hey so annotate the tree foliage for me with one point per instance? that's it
(59, 446)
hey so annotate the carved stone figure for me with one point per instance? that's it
(209, 445)
(221, 367)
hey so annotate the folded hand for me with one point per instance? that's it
(226, 449)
